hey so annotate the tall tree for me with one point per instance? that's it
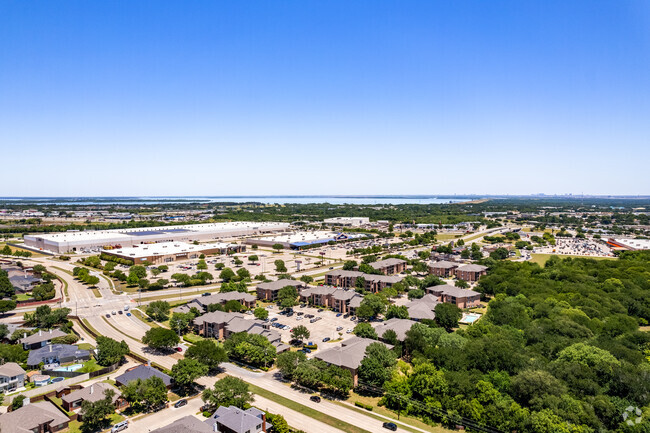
(229, 391)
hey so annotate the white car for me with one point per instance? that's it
(349, 331)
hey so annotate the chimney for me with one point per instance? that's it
(50, 347)
(40, 332)
(264, 422)
(50, 331)
(148, 363)
(91, 389)
(24, 335)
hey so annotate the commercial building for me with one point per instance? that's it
(389, 266)
(302, 240)
(122, 238)
(348, 279)
(269, 291)
(462, 298)
(630, 244)
(346, 221)
(166, 252)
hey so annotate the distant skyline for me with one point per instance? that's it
(161, 98)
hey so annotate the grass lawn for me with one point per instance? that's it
(448, 236)
(34, 254)
(192, 338)
(471, 238)
(90, 366)
(143, 317)
(312, 413)
(541, 259)
(75, 426)
(23, 297)
(407, 420)
(85, 346)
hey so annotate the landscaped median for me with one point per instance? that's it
(305, 410)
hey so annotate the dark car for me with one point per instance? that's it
(108, 315)
(390, 426)
(180, 403)
(275, 319)
(315, 398)
(326, 339)
(206, 294)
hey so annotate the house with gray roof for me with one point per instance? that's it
(269, 291)
(187, 424)
(399, 326)
(40, 339)
(12, 377)
(221, 325)
(423, 308)
(462, 298)
(389, 266)
(37, 417)
(54, 355)
(443, 268)
(328, 296)
(246, 299)
(348, 355)
(470, 272)
(93, 393)
(348, 279)
(142, 372)
(235, 420)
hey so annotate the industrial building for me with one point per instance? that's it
(629, 244)
(165, 252)
(123, 238)
(300, 240)
(347, 221)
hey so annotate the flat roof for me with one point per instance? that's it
(306, 238)
(165, 248)
(637, 244)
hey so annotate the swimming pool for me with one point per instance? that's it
(469, 318)
(73, 367)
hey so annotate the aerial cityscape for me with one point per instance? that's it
(325, 217)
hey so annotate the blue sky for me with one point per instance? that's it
(324, 97)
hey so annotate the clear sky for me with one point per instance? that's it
(324, 97)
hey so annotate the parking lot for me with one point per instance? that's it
(324, 328)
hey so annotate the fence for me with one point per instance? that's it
(30, 303)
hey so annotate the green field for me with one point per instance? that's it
(541, 259)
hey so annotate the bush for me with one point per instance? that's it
(364, 406)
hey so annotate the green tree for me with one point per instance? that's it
(261, 313)
(307, 279)
(448, 315)
(371, 306)
(160, 338)
(280, 267)
(201, 265)
(288, 297)
(6, 305)
(229, 391)
(300, 332)
(288, 361)
(158, 310)
(253, 258)
(252, 349)
(227, 274)
(365, 330)
(186, 371)
(233, 305)
(394, 311)
(132, 280)
(180, 322)
(207, 352)
(377, 366)
(278, 248)
(95, 413)
(138, 271)
(109, 351)
(17, 402)
(349, 265)
(145, 394)
(243, 273)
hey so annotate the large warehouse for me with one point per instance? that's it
(300, 240)
(122, 238)
(165, 252)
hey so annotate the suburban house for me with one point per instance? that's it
(470, 272)
(12, 377)
(72, 400)
(142, 372)
(400, 326)
(186, 424)
(340, 300)
(54, 355)
(202, 303)
(348, 279)
(443, 268)
(221, 325)
(423, 308)
(234, 420)
(39, 417)
(348, 355)
(390, 266)
(269, 291)
(462, 298)
(40, 339)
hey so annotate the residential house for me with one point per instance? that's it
(246, 299)
(462, 298)
(470, 272)
(54, 355)
(423, 308)
(221, 325)
(187, 424)
(348, 355)
(390, 266)
(12, 377)
(235, 420)
(269, 291)
(73, 400)
(39, 417)
(40, 339)
(328, 296)
(443, 268)
(143, 372)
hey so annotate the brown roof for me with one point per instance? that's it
(31, 416)
(94, 392)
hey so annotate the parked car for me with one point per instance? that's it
(390, 426)
(206, 294)
(180, 403)
(113, 312)
(119, 312)
(179, 349)
(120, 426)
(339, 314)
(128, 314)
(326, 339)
(315, 398)
(339, 328)
(108, 315)
(275, 319)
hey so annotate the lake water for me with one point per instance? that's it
(334, 199)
